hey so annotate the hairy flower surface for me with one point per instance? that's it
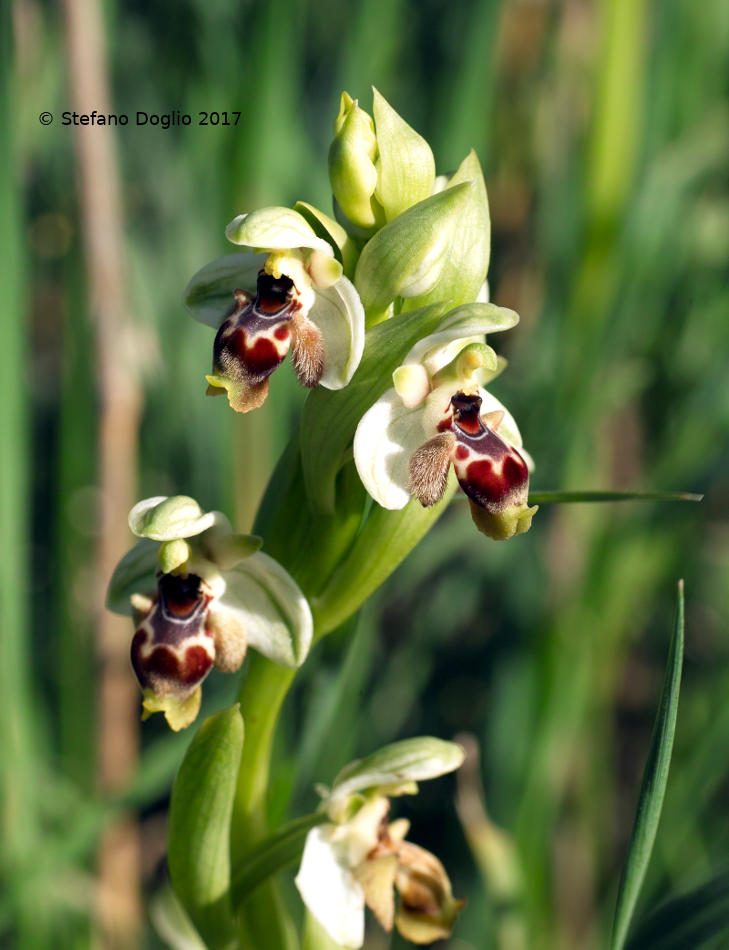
(437, 415)
(360, 859)
(288, 293)
(199, 596)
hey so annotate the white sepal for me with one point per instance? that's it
(271, 607)
(330, 891)
(387, 435)
(339, 314)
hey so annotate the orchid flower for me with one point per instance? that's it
(437, 415)
(199, 596)
(292, 296)
(358, 858)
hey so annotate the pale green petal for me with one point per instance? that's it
(338, 313)
(275, 229)
(269, 604)
(386, 437)
(329, 890)
(209, 295)
(136, 573)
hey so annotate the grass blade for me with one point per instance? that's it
(688, 920)
(653, 787)
(553, 497)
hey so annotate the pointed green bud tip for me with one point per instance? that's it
(405, 163)
(505, 524)
(167, 519)
(352, 171)
(179, 713)
(172, 555)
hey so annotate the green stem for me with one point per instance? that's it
(263, 921)
(261, 697)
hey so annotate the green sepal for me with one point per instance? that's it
(386, 538)
(329, 419)
(199, 826)
(467, 260)
(407, 257)
(400, 763)
(134, 574)
(209, 295)
(405, 164)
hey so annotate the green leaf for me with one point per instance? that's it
(688, 920)
(412, 760)
(560, 497)
(329, 418)
(199, 826)
(653, 787)
(275, 853)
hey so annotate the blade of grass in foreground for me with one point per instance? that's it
(551, 497)
(653, 787)
(689, 920)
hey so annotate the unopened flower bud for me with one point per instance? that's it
(352, 169)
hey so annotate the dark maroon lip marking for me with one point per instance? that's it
(181, 598)
(273, 295)
(466, 413)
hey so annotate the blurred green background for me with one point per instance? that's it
(603, 131)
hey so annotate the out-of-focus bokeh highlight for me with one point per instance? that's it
(603, 131)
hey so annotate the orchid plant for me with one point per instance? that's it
(384, 308)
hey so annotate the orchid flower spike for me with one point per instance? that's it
(437, 415)
(293, 296)
(199, 595)
(360, 858)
